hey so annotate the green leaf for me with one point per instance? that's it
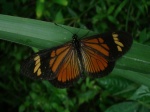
(59, 17)
(137, 59)
(142, 94)
(36, 33)
(111, 9)
(39, 8)
(116, 85)
(135, 65)
(128, 107)
(61, 2)
(144, 36)
(137, 77)
(120, 7)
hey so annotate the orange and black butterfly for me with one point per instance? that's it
(93, 56)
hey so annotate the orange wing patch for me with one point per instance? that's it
(97, 44)
(117, 42)
(93, 62)
(64, 63)
(69, 69)
(99, 48)
(57, 56)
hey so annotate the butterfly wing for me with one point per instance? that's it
(59, 64)
(118, 42)
(115, 43)
(47, 64)
(37, 66)
(100, 52)
(96, 53)
(69, 71)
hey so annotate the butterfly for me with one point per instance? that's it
(93, 56)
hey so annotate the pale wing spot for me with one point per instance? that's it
(37, 57)
(119, 43)
(115, 35)
(39, 72)
(37, 67)
(37, 61)
(119, 48)
(115, 38)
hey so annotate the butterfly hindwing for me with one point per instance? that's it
(96, 54)
(69, 71)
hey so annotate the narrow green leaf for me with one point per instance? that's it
(119, 8)
(39, 8)
(59, 17)
(137, 77)
(111, 9)
(61, 2)
(36, 33)
(135, 65)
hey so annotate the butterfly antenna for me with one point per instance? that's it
(63, 28)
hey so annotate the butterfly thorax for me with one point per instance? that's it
(75, 42)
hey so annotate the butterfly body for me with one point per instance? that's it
(76, 43)
(93, 56)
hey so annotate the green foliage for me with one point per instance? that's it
(115, 93)
(128, 107)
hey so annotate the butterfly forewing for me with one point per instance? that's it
(45, 64)
(118, 42)
(37, 66)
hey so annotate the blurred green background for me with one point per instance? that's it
(108, 94)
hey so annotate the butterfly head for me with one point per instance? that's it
(75, 41)
(75, 37)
